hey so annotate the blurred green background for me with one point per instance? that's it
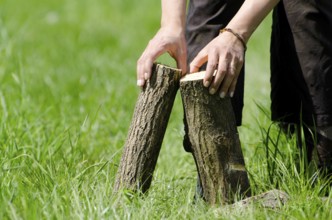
(67, 94)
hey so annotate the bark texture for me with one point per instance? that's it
(214, 143)
(147, 129)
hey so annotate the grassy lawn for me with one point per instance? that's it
(67, 94)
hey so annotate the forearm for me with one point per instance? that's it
(250, 15)
(173, 14)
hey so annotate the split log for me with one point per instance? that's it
(147, 129)
(214, 141)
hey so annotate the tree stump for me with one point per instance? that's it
(147, 129)
(214, 141)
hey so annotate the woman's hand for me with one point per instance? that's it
(166, 40)
(224, 56)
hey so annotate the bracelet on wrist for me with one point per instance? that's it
(239, 37)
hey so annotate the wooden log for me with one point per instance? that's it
(147, 129)
(214, 141)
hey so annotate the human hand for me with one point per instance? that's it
(166, 40)
(224, 56)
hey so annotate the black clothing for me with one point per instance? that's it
(205, 18)
(301, 62)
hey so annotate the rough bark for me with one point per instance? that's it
(147, 129)
(214, 142)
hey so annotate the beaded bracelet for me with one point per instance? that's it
(236, 35)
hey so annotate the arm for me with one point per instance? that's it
(170, 38)
(225, 53)
(250, 15)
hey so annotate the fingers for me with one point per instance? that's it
(199, 60)
(210, 70)
(216, 69)
(220, 74)
(144, 67)
(232, 86)
(181, 62)
(164, 41)
(221, 71)
(179, 53)
(229, 84)
(145, 63)
(224, 56)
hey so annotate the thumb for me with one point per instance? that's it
(181, 63)
(198, 61)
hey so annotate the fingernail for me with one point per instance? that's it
(222, 95)
(206, 83)
(140, 82)
(146, 76)
(212, 91)
(231, 94)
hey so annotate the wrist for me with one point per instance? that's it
(241, 30)
(174, 29)
(238, 36)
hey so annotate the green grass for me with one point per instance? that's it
(67, 94)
